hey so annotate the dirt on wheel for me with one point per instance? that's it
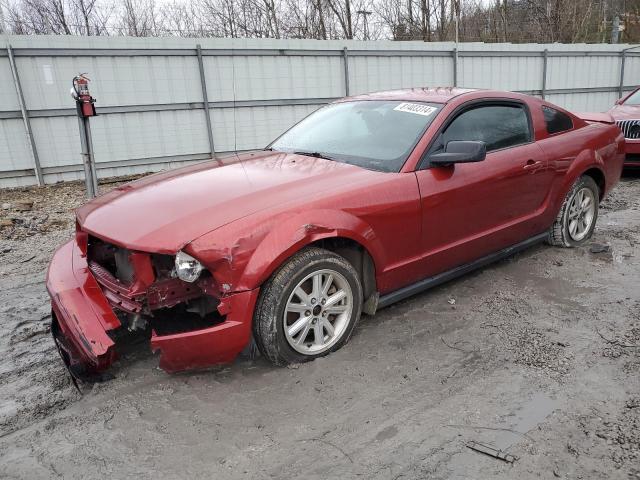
(537, 356)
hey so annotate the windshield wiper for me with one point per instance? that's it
(314, 154)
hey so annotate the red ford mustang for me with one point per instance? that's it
(626, 113)
(363, 203)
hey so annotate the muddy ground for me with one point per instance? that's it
(537, 355)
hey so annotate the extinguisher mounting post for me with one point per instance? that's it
(85, 109)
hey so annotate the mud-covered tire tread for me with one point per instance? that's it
(559, 231)
(272, 297)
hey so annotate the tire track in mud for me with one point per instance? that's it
(33, 381)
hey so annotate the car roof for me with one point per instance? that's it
(423, 94)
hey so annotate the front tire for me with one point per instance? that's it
(577, 218)
(308, 308)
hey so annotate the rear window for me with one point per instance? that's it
(556, 121)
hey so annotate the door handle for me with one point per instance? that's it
(532, 164)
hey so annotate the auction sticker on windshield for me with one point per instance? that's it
(417, 108)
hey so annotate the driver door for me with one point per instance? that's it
(470, 210)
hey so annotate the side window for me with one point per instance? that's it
(499, 126)
(556, 121)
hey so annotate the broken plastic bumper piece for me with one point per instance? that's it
(220, 343)
(81, 315)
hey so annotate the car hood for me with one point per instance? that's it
(164, 212)
(625, 112)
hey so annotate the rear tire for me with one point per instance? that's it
(308, 308)
(577, 217)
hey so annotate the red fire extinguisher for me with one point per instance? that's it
(84, 100)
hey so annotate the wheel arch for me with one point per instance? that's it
(598, 176)
(358, 256)
(589, 163)
(336, 231)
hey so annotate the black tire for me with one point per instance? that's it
(559, 234)
(268, 323)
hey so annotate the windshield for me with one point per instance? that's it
(378, 135)
(634, 99)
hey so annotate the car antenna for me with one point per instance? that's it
(233, 85)
(235, 129)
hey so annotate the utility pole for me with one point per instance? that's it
(456, 6)
(455, 50)
(365, 14)
(615, 29)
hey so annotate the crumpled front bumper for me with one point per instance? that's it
(210, 346)
(81, 314)
(83, 320)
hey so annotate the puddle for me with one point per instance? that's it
(525, 419)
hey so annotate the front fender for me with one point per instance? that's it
(301, 230)
(243, 256)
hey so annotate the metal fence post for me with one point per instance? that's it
(205, 99)
(345, 58)
(623, 58)
(545, 61)
(454, 55)
(88, 159)
(25, 117)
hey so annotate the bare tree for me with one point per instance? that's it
(140, 18)
(426, 20)
(307, 19)
(442, 20)
(43, 16)
(342, 10)
(272, 19)
(182, 20)
(62, 17)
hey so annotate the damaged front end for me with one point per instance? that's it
(99, 291)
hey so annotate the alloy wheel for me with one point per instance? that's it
(317, 312)
(582, 212)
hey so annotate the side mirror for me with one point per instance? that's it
(619, 101)
(460, 152)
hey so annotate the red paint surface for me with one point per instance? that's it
(632, 146)
(595, 117)
(82, 311)
(243, 217)
(218, 344)
(622, 111)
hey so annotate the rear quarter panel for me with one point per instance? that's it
(571, 154)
